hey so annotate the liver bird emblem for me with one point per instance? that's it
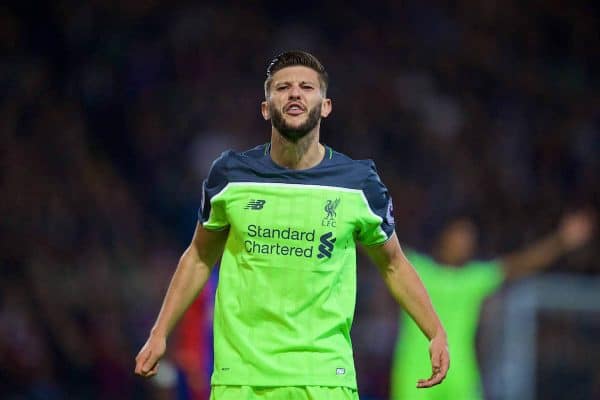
(330, 208)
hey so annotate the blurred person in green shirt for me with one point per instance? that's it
(458, 287)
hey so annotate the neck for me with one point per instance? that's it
(305, 153)
(447, 257)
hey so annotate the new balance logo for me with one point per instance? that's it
(326, 246)
(255, 204)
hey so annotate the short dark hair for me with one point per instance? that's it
(296, 57)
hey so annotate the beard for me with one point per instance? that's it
(295, 133)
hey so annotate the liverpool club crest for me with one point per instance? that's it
(330, 207)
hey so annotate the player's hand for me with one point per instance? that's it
(440, 362)
(146, 362)
(576, 229)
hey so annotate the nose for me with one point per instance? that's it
(294, 92)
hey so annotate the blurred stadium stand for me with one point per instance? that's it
(112, 111)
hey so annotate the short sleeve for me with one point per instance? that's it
(377, 225)
(212, 213)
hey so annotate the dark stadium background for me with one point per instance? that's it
(112, 111)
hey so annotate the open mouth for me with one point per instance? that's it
(294, 109)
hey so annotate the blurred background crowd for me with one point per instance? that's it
(111, 113)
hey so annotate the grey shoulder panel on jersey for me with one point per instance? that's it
(215, 182)
(335, 170)
(379, 199)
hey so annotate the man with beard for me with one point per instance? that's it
(285, 217)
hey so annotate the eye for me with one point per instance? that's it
(308, 87)
(281, 88)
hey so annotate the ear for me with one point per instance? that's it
(326, 107)
(264, 110)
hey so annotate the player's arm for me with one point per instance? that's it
(408, 290)
(193, 270)
(574, 230)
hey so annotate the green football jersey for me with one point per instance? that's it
(287, 281)
(457, 295)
